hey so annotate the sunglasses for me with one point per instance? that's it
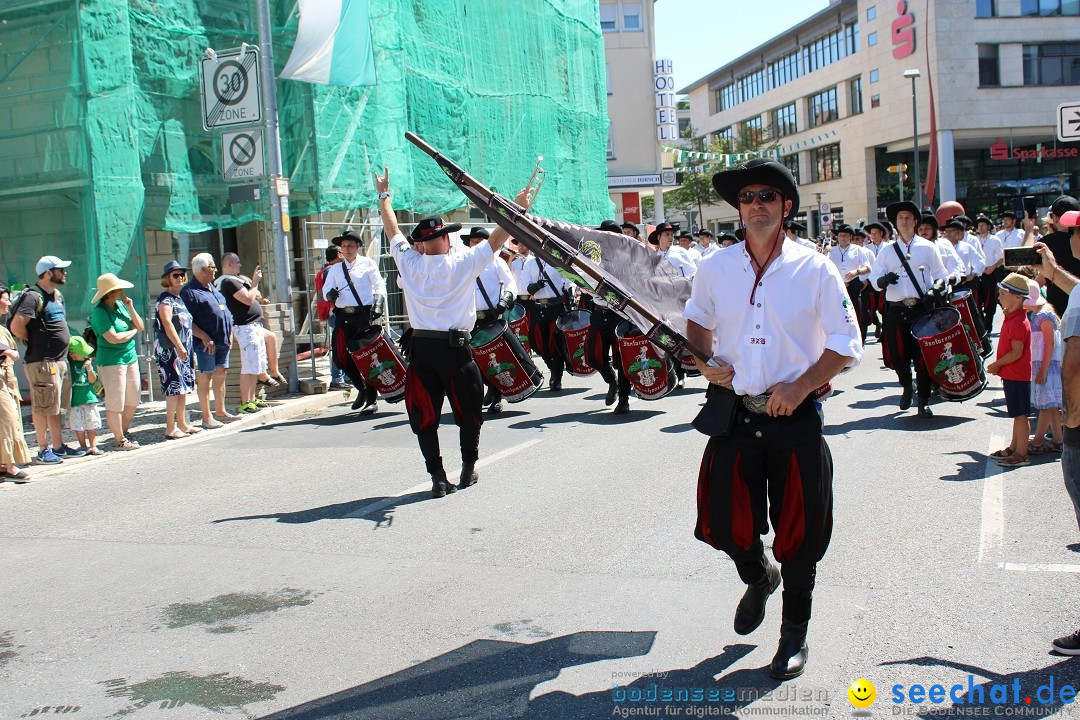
(180, 275)
(767, 196)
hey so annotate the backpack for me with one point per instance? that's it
(19, 298)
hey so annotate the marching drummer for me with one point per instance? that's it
(927, 229)
(496, 291)
(547, 291)
(906, 270)
(853, 263)
(973, 262)
(779, 324)
(358, 292)
(440, 296)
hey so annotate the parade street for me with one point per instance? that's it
(302, 570)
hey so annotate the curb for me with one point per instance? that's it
(287, 409)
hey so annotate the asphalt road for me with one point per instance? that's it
(301, 570)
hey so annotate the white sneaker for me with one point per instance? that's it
(211, 424)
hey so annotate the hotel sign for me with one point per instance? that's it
(614, 181)
(667, 124)
(903, 31)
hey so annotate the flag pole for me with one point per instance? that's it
(282, 260)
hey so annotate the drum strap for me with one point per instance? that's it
(547, 279)
(907, 268)
(487, 298)
(348, 279)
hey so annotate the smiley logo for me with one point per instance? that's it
(862, 693)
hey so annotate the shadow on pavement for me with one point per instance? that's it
(493, 679)
(677, 428)
(1003, 689)
(340, 511)
(966, 471)
(908, 422)
(1075, 547)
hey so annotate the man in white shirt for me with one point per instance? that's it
(547, 300)
(793, 230)
(440, 289)
(904, 298)
(495, 294)
(665, 235)
(993, 253)
(973, 263)
(705, 244)
(358, 292)
(875, 235)
(1010, 235)
(779, 325)
(853, 263)
(631, 230)
(686, 242)
(927, 229)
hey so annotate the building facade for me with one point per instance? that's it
(835, 99)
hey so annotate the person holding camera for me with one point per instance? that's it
(906, 271)
(358, 292)
(440, 289)
(242, 300)
(496, 291)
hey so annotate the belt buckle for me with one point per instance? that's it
(756, 404)
(910, 302)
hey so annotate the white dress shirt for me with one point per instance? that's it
(969, 255)
(954, 266)
(809, 244)
(517, 269)
(801, 308)
(531, 274)
(920, 253)
(850, 258)
(992, 249)
(1011, 238)
(707, 251)
(496, 279)
(872, 248)
(366, 279)
(440, 289)
(680, 259)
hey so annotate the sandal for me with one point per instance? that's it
(176, 434)
(1002, 453)
(268, 382)
(1014, 461)
(18, 477)
(95, 451)
(127, 444)
(1038, 448)
(1053, 447)
(191, 429)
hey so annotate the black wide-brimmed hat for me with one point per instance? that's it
(610, 226)
(964, 219)
(727, 236)
(172, 266)
(432, 228)
(758, 171)
(476, 232)
(1009, 213)
(955, 224)
(870, 226)
(795, 226)
(982, 218)
(894, 209)
(704, 231)
(845, 229)
(928, 219)
(631, 226)
(860, 232)
(654, 237)
(664, 226)
(684, 234)
(348, 235)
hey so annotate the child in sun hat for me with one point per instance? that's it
(1046, 352)
(1013, 365)
(84, 417)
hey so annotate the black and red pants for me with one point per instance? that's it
(347, 326)
(770, 470)
(599, 345)
(542, 337)
(903, 348)
(437, 372)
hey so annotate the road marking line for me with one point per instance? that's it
(386, 502)
(1039, 567)
(992, 535)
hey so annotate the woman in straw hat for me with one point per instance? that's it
(116, 323)
(13, 450)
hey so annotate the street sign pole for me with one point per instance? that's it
(282, 262)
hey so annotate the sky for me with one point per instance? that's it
(699, 36)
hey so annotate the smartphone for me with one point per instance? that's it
(1029, 207)
(1021, 256)
(1018, 206)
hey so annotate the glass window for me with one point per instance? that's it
(874, 76)
(1052, 64)
(1047, 8)
(871, 39)
(751, 131)
(784, 121)
(631, 17)
(824, 107)
(792, 164)
(684, 125)
(611, 140)
(608, 17)
(875, 101)
(856, 96)
(989, 66)
(825, 163)
(985, 8)
(871, 12)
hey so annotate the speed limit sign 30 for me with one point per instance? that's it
(230, 91)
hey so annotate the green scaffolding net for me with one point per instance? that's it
(101, 133)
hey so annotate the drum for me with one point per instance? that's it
(650, 371)
(504, 363)
(950, 354)
(380, 362)
(573, 330)
(964, 302)
(517, 318)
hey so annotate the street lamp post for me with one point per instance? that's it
(914, 74)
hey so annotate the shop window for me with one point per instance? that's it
(609, 17)
(825, 163)
(989, 66)
(631, 17)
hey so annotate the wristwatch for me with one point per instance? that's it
(383, 195)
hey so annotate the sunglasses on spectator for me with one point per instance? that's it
(178, 275)
(767, 196)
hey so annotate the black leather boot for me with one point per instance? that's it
(440, 486)
(612, 392)
(905, 399)
(792, 654)
(623, 407)
(468, 477)
(751, 610)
